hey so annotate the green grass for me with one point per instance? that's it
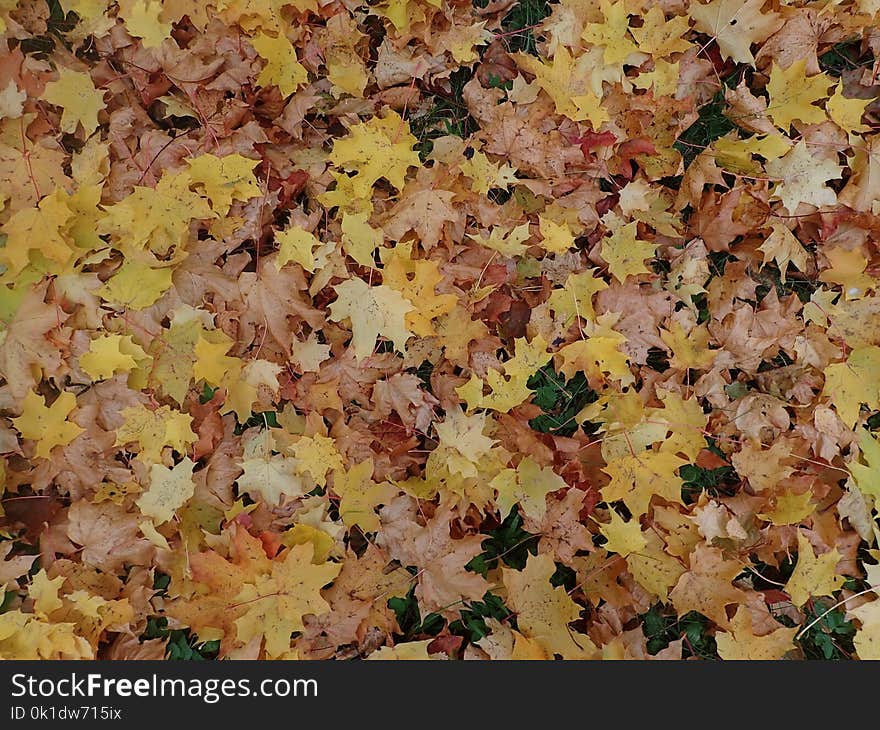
(844, 56)
(715, 482)
(445, 114)
(508, 543)
(180, 644)
(560, 400)
(518, 25)
(662, 626)
(709, 126)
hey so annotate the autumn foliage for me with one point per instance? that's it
(438, 329)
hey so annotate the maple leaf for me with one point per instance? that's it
(169, 490)
(282, 68)
(48, 426)
(623, 537)
(848, 270)
(424, 212)
(48, 224)
(636, 478)
(613, 34)
(813, 575)
(270, 478)
(109, 354)
(277, 602)
(380, 147)
(575, 298)
(142, 19)
(851, 383)
(735, 25)
(565, 82)
(373, 311)
(360, 495)
(802, 178)
(528, 486)
(543, 612)
(136, 285)
(25, 636)
(417, 281)
(298, 246)
(707, 587)
(624, 254)
(224, 179)
(792, 94)
(659, 36)
(317, 455)
(44, 592)
(153, 430)
(742, 644)
(782, 247)
(867, 476)
(75, 93)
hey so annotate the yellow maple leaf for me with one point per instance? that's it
(360, 239)
(277, 602)
(153, 430)
(372, 311)
(597, 354)
(76, 94)
(44, 592)
(689, 349)
(224, 179)
(508, 242)
(813, 575)
(485, 174)
(575, 297)
(624, 538)
(282, 68)
(27, 636)
(360, 495)
(867, 475)
(735, 25)
(168, 491)
(244, 390)
(793, 93)
(659, 36)
(111, 353)
(136, 285)
(847, 113)
(271, 477)
(624, 253)
(790, 508)
(802, 178)
(555, 237)
(143, 20)
(543, 611)
(48, 426)
(637, 478)
(782, 247)
(317, 455)
(565, 80)
(212, 364)
(417, 281)
(613, 34)
(297, 245)
(740, 643)
(528, 486)
(381, 147)
(44, 230)
(851, 383)
(848, 269)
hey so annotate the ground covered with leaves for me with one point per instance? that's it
(437, 329)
